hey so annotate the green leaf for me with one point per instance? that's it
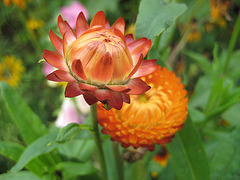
(34, 150)
(201, 60)
(28, 123)
(73, 169)
(225, 162)
(188, 156)
(155, 16)
(25, 175)
(68, 132)
(11, 150)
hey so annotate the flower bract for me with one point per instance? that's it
(153, 117)
(98, 61)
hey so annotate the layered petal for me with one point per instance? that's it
(119, 24)
(81, 24)
(56, 41)
(61, 76)
(73, 90)
(147, 67)
(64, 27)
(77, 68)
(55, 59)
(98, 19)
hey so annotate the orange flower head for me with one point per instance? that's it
(153, 117)
(98, 61)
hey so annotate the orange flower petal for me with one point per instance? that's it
(147, 67)
(139, 46)
(56, 41)
(119, 34)
(81, 24)
(126, 98)
(61, 76)
(116, 101)
(98, 19)
(118, 88)
(55, 59)
(77, 68)
(64, 27)
(129, 38)
(137, 86)
(135, 69)
(72, 90)
(102, 71)
(87, 87)
(90, 98)
(107, 24)
(119, 24)
(102, 94)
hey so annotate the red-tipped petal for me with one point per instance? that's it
(126, 98)
(103, 94)
(64, 27)
(141, 45)
(81, 24)
(107, 24)
(77, 68)
(116, 101)
(137, 86)
(135, 69)
(129, 38)
(118, 88)
(147, 67)
(119, 24)
(102, 71)
(87, 87)
(72, 90)
(55, 60)
(60, 76)
(90, 98)
(56, 41)
(118, 33)
(98, 19)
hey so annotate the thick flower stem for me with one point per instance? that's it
(118, 160)
(98, 141)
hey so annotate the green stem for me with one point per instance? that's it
(232, 42)
(118, 160)
(98, 141)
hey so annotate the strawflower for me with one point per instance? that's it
(70, 13)
(153, 117)
(11, 70)
(98, 61)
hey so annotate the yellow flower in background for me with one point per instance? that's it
(131, 30)
(33, 24)
(162, 156)
(219, 11)
(152, 117)
(194, 36)
(11, 70)
(19, 3)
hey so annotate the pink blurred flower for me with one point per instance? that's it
(70, 114)
(47, 68)
(71, 12)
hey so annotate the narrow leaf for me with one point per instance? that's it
(35, 149)
(28, 123)
(11, 150)
(26, 175)
(188, 156)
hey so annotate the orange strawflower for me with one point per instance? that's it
(151, 118)
(98, 61)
